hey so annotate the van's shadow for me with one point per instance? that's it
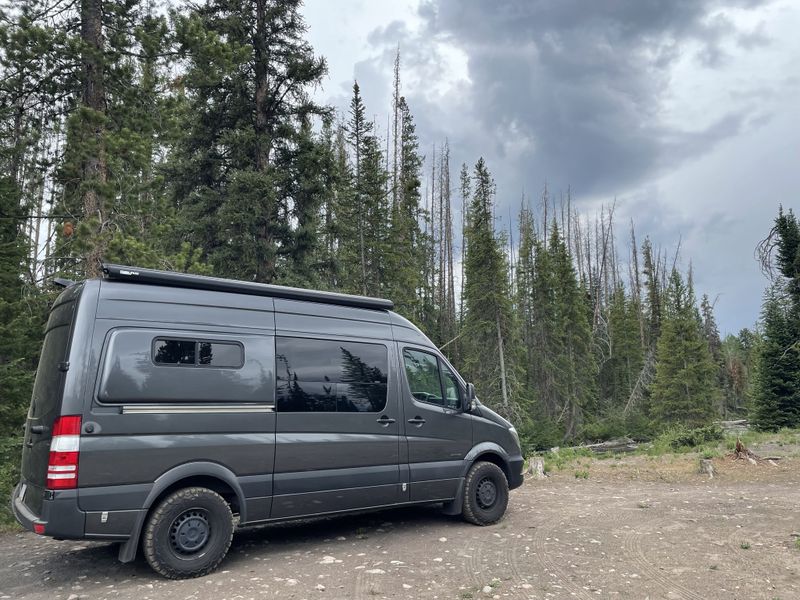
(324, 531)
(98, 562)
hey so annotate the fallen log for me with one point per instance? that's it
(623, 444)
(737, 426)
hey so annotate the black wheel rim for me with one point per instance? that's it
(189, 532)
(486, 493)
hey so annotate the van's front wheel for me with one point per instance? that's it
(485, 494)
(188, 533)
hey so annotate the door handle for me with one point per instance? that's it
(385, 421)
(37, 429)
(418, 421)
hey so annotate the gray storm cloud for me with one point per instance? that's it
(578, 87)
(682, 110)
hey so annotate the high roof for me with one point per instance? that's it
(217, 284)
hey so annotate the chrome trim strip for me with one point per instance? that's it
(182, 409)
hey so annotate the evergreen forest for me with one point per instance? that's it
(190, 139)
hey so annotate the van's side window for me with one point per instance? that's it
(330, 376)
(452, 395)
(427, 382)
(197, 352)
(174, 352)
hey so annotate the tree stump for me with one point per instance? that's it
(707, 467)
(536, 467)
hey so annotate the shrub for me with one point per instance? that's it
(616, 424)
(682, 438)
(538, 435)
(10, 453)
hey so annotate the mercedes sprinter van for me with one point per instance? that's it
(169, 409)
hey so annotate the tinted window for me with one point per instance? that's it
(174, 352)
(218, 354)
(195, 352)
(46, 393)
(422, 371)
(330, 376)
(452, 395)
(130, 373)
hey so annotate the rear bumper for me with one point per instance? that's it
(61, 517)
(515, 466)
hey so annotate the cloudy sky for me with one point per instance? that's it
(685, 111)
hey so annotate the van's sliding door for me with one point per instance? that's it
(337, 426)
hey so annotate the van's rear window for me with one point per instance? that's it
(46, 389)
(197, 352)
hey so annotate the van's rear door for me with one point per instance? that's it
(46, 399)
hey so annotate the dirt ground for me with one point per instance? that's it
(616, 528)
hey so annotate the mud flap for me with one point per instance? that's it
(127, 550)
(455, 506)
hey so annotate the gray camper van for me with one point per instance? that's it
(170, 408)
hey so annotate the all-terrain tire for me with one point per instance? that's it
(485, 494)
(188, 533)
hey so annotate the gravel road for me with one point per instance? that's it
(633, 529)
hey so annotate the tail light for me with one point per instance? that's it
(62, 468)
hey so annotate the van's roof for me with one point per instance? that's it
(217, 284)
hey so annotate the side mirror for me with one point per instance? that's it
(469, 401)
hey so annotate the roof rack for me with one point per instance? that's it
(217, 284)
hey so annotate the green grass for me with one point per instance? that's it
(745, 545)
(582, 474)
(797, 543)
(709, 453)
(782, 437)
(564, 457)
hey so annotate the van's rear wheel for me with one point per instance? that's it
(485, 494)
(188, 533)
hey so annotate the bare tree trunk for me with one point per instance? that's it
(545, 224)
(95, 170)
(636, 287)
(263, 142)
(441, 291)
(503, 382)
(434, 232)
(395, 128)
(449, 279)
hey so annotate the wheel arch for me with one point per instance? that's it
(487, 451)
(203, 474)
(490, 452)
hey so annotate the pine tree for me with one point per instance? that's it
(576, 370)
(653, 298)
(525, 293)
(777, 393)
(407, 251)
(739, 355)
(249, 72)
(620, 370)
(777, 386)
(358, 130)
(491, 353)
(685, 389)
(711, 334)
(309, 164)
(22, 311)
